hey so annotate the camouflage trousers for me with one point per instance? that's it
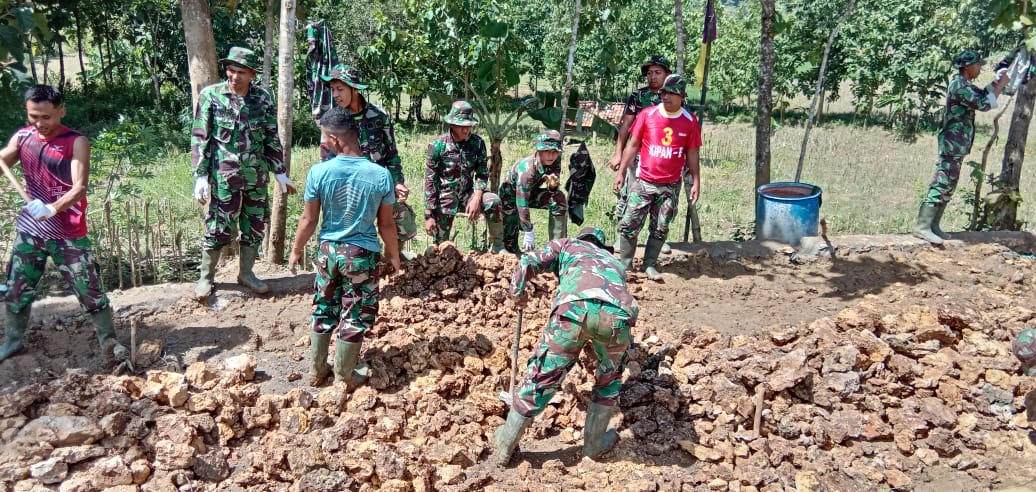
(571, 326)
(244, 212)
(347, 290)
(74, 260)
(660, 201)
(540, 197)
(406, 221)
(624, 192)
(947, 172)
(491, 208)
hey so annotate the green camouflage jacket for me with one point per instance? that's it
(234, 139)
(453, 171)
(378, 140)
(640, 99)
(525, 176)
(584, 272)
(958, 122)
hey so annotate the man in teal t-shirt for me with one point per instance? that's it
(355, 197)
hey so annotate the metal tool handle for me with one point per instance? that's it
(514, 352)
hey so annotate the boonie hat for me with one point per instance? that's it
(347, 74)
(461, 114)
(593, 235)
(965, 58)
(1024, 348)
(242, 56)
(675, 84)
(655, 60)
(548, 140)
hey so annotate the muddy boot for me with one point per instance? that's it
(666, 249)
(626, 250)
(496, 235)
(203, 290)
(245, 276)
(597, 437)
(651, 251)
(925, 217)
(939, 209)
(506, 437)
(13, 332)
(319, 369)
(111, 350)
(557, 227)
(346, 368)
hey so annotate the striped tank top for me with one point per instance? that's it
(47, 166)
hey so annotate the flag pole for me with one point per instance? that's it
(691, 223)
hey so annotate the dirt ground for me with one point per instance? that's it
(721, 296)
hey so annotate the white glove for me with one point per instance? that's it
(39, 210)
(529, 241)
(201, 189)
(285, 182)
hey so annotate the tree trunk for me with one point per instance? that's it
(156, 85)
(568, 71)
(681, 36)
(201, 46)
(61, 64)
(79, 48)
(764, 104)
(271, 19)
(100, 52)
(496, 163)
(111, 54)
(32, 62)
(1008, 184)
(285, 91)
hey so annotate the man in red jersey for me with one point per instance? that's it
(667, 138)
(55, 160)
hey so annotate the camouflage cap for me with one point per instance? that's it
(655, 60)
(594, 235)
(461, 114)
(347, 74)
(675, 84)
(1024, 348)
(548, 140)
(965, 58)
(243, 57)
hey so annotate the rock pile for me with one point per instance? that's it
(860, 399)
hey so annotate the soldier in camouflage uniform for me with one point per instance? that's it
(377, 140)
(534, 182)
(655, 69)
(1024, 348)
(581, 177)
(456, 173)
(234, 147)
(592, 305)
(955, 138)
(353, 194)
(55, 161)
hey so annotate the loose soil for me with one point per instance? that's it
(722, 323)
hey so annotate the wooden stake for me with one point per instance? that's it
(760, 392)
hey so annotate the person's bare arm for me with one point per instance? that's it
(693, 164)
(620, 143)
(9, 154)
(387, 231)
(307, 225)
(80, 176)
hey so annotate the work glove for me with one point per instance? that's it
(39, 210)
(201, 189)
(529, 241)
(286, 185)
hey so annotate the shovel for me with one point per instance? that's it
(508, 396)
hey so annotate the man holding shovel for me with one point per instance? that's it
(592, 305)
(55, 160)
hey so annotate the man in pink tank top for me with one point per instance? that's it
(55, 160)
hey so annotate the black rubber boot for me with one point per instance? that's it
(597, 437)
(319, 369)
(936, 228)
(925, 217)
(14, 331)
(627, 248)
(245, 276)
(506, 437)
(347, 368)
(651, 250)
(203, 290)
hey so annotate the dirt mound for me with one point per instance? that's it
(862, 398)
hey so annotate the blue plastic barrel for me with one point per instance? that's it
(787, 212)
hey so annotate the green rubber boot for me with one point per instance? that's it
(651, 250)
(245, 276)
(496, 235)
(626, 250)
(506, 437)
(13, 332)
(111, 350)
(925, 217)
(597, 437)
(347, 370)
(319, 369)
(209, 259)
(939, 209)
(557, 227)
